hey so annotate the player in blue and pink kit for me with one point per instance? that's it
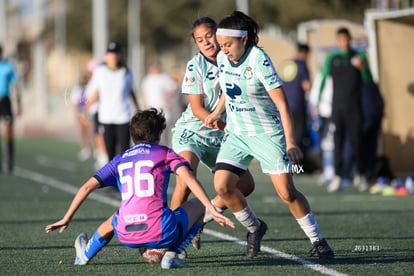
(143, 220)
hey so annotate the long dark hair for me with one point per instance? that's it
(240, 21)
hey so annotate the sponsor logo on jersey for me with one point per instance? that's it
(211, 75)
(232, 90)
(273, 81)
(135, 218)
(189, 80)
(190, 67)
(221, 68)
(136, 151)
(234, 108)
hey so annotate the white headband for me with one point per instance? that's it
(231, 32)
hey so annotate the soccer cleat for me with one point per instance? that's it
(171, 260)
(196, 242)
(323, 249)
(335, 185)
(80, 245)
(84, 154)
(363, 185)
(153, 256)
(254, 239)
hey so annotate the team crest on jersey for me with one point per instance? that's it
(248, 73)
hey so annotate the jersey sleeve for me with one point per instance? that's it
(129, 80)
(174, 161)
(192, 78)
(304, 72)
(366, 73)
(326, 71)
(266, 73)
(92, 85)
(107, 175)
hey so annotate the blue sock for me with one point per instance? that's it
(182, 245)
(95, 244)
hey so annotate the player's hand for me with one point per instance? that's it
(219, 124)
(295, 154)
(61, 225)
(222, 220)
(210, 120)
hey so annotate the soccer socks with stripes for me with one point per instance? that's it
(248, 219)
(182, 245)
(95, 244)
(310, 227)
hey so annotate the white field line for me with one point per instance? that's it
(317, 267)
(55, 163)
(63, 186)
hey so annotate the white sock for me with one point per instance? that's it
(248, 219)
(310, 227)
(207, 216)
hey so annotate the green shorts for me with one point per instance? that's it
(268, 149)
(205, 148)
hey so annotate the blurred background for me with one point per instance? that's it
(51, 43)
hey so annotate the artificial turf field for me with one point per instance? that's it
(371, 234)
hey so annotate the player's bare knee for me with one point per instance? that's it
(223, 190)
(287, 196)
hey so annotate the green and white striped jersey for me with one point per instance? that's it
(201, 78)
(250, 110)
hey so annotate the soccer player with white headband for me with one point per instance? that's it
(258, 126)
(191, 139)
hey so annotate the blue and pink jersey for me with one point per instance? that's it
(141, 174)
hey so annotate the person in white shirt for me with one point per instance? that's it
(112, 86)
(159, 91)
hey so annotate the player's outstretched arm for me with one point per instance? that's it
(198, 190)
(77, 201)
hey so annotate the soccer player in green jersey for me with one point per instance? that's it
(191, 139)
(259, 126)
